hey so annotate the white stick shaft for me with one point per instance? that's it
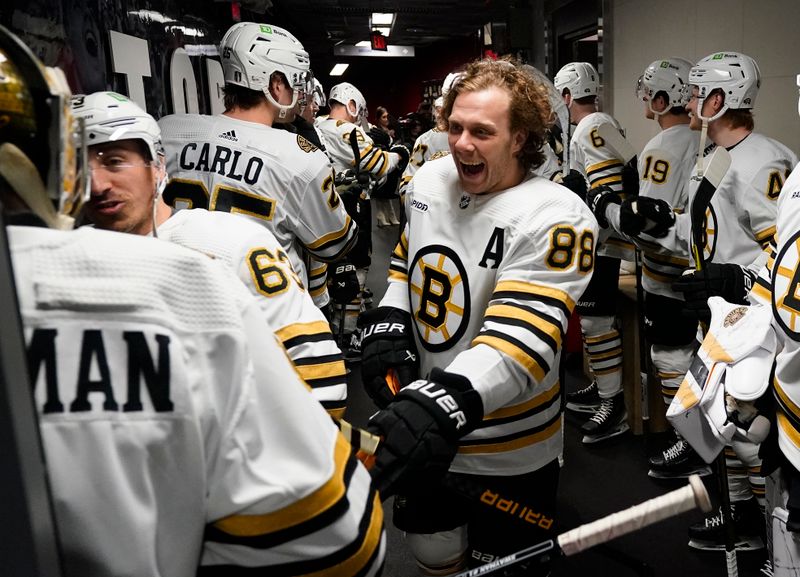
(635, 518)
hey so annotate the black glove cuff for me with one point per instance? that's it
(598, 199)
(450, 399)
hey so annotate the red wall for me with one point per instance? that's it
(396, 83)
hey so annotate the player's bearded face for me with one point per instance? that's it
(694, 122)
(481, 141)
(123, 186)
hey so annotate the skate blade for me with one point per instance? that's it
(589, 409)
(743, 544)
(618, 430)
(699, 471)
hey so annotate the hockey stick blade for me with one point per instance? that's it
(615, 525)
(716, 167)
(616, 142)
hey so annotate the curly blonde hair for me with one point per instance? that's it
(530, 108)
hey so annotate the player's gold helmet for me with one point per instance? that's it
(39, 137)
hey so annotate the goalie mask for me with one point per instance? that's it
(252, 53)
(580, 78)
(40, 140)
(737, 75)
(351, 97)
(671, 76)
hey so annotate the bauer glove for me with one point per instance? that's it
(389, 359)
(598, 199)
(421, 428)
(729, 281)
(343, 286)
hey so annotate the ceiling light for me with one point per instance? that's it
(338, 69)
(385, 30)
(364, 43)
(382, 19)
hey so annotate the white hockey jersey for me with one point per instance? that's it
(490, 281)
(277, 178)
(429, 145)
(740, 221)
(590, 156)
(170, 438)
(372, 159)
(665, 168)
(253, 253)
(777, 287)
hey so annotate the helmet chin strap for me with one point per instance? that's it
(283, 109)
(159, 190)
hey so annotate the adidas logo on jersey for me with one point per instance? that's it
(230, 135)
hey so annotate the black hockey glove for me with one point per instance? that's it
(379, 137)
(343, 282)
(404, 156)
(652, 216)
(389, 359)
(630, 178)
(576, 183)
(729, 281)
(598, 199)
(420, 430)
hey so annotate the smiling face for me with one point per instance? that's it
(481, 141)
(123, 187)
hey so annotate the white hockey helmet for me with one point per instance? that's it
(449, 80)
(252, 52)
(671, 76)
(580, 78)
(318, 94)
(111, 117)
(41, 142)
(345, 93)
(737, 75)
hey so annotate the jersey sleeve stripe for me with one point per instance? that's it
(531, 291)
(514, 441)
(765, 236)
(519, 308)
(302, 511)
(323, 375)
(660, 275)
(398, 276)
(604, 165)
(546, 332)
(613, 179)
(517, 350)
(332, 237)
(299, 330)
(316, 291)
(356, 559)
(529, 407)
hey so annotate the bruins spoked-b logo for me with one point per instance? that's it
(439, 295)
(709, 234)
(786, 287)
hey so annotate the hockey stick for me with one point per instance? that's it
(559, 107)
(615, 525)
(715, 169)
(620, 145)
(616, 142)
